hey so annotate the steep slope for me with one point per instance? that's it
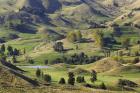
(131, 14)
(79, 14)
(14, 73)
(9, 79)
(67, 11)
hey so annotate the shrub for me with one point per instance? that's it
(2, 48)
(31, 61)
(46, 62)
(47, 78)
(14, 59)
(93, 76)
(124, 82)
(88, 85)
(62, 81)
(136, 60)
(58, 47)
(102, 86)
(2, 40)
(80, 79)
(71, 79)
(38, 73)
(13, 36)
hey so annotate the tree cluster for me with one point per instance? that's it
(58, 46)
(124, 82)
(77, 59)
(46, 77)
(80, 79)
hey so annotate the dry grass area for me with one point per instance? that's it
(103, 65)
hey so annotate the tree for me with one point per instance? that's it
(38, 73)
(93, 76)
(24, 51)
(3, 48)
(117, 31)
(31, 61)
(47, 78)
(10, 50)
(71, 37)
(125, 82)
(46, 62)
(102, 86)
(71, 79)
(136, 60)
(16, 52)
(126, 43)
(62, 81)
(80, 79)
(98, 36)
(14, 59)
(138, 44)
(58, 46)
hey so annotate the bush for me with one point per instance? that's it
(46, 62)
(88, 85)
(128, 83)
(58, 47)
(80, 79)
(31, 61)
(62, 81)
(102, 86)
(13, 36)
(136, 60)
(47, 78)
(2, 40)
(38, 73)
(71, 79)
(93, 76)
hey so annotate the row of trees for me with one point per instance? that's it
(76, 59)
(10, 50)
(71, 77)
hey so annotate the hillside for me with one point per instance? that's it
(69, 46)
(66, 12)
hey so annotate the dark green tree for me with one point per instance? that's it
(62, 81)
(46, 62)
(10, 50)
(136, 60)
(31, 61)
(93, 76)
(3, 48)
(58, 46)
(102, 86)
(80, 79)
(14, 59)
(47, 78)
(38, 73)
(16, 52)
(71, 79)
